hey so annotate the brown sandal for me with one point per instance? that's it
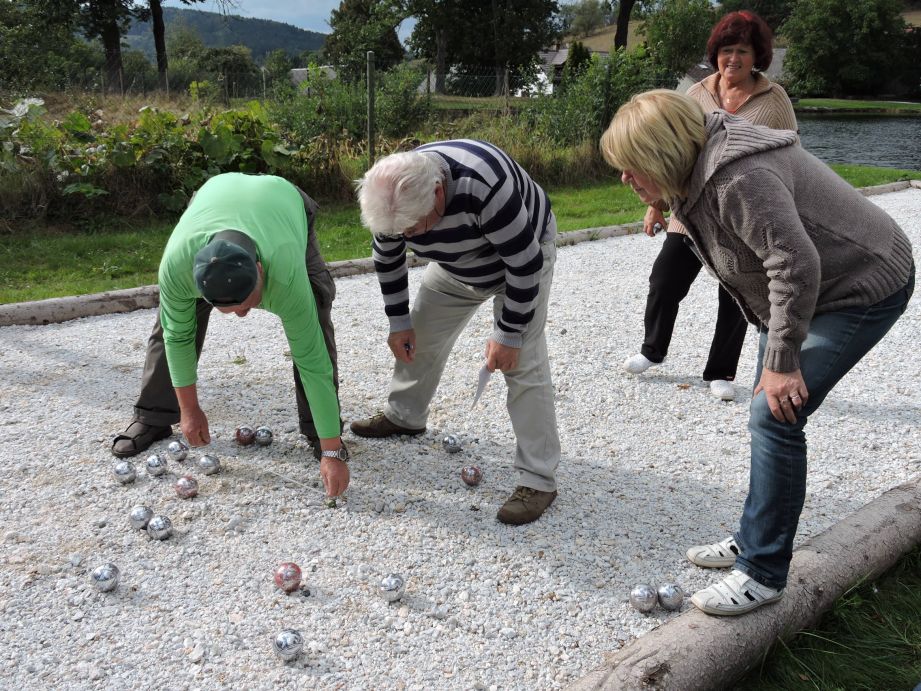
(138, 437)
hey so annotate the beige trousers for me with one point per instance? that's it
(440, 311)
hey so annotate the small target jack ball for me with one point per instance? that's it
(643, 598)
(392, 587)
(288, 576)
(140, 516)
(105, 578)
(124, 472)
(177, 451)
(244, 435)
(288, 644)
(263, 436)
(471, 475)
(671, 596)
(156, 465)
(186, 487)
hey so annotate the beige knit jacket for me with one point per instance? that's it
(768, 105)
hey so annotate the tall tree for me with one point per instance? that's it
(676, 33)
(588, 16)
(435, 20)
(35, 46)
(844, 47)
(774, 12)
(159, 32)
(624, 8)
(106, 20)
(488, 35)
(362, 25)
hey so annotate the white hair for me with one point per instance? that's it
(397, 192)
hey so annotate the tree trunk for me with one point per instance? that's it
(500, 81)
(694, 651)
(441, 58)
(624, 8)
(159, 34)
(111, 42)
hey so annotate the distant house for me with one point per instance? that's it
(302, 74)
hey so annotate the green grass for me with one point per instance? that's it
(845, 104)
(870, 640)
(40, 262)
(474, 102)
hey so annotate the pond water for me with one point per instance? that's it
(871, 140)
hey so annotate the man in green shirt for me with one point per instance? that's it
(245, 241)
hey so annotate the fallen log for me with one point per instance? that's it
(696, 652)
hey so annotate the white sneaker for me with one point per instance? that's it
(719, 555)
(637, 364)
(723, 390)
(738, 593)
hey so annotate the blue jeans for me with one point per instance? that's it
(777, 486)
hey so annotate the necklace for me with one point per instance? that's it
(729, 104)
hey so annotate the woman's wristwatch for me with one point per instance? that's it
(341, 453)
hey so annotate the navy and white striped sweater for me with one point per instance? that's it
(495, 219)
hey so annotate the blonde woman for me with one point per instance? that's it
(821, 271)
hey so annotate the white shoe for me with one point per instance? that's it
(637, 364)
(723, 390)
(716, 556)
(738, 593)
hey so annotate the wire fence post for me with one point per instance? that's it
(371, 129)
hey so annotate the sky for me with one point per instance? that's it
(306, 14)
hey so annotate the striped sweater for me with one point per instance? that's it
(496, 217)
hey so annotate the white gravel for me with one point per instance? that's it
(651, 465)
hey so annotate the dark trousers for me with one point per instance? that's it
(157, 404)
(672, 274)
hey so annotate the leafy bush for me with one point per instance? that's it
(154, 163)
(584, 109)
(399, 106)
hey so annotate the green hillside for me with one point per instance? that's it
(262, 36)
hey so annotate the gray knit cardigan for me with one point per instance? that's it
(785, 235)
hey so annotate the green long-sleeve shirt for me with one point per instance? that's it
(271, 212)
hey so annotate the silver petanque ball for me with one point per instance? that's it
(263, 436)
(670, 596)
(140, 516)
(451, 444)
(156, 465)
(160, 528)
(288, 644)
(392, 587)
(105, 578)
(643, 598)
(177, 451)
(209, 465)
(186, 487)
(471, 475)
(124, 472)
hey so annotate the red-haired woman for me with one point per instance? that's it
(740, 49)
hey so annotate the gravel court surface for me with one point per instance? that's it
(651, 464)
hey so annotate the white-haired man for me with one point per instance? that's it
(490, 233)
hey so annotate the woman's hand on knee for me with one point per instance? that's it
(786, 393)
